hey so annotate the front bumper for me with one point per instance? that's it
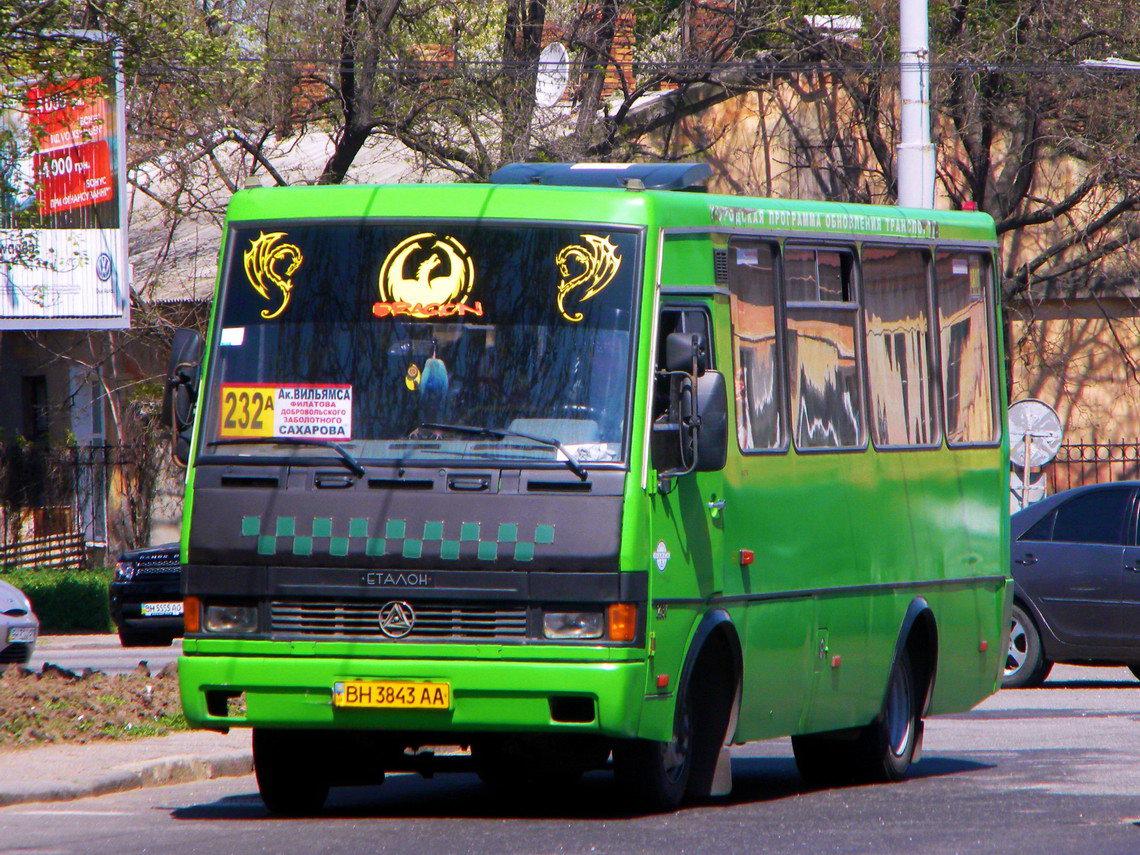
(127, 598)
(487, 696)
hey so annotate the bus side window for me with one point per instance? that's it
(758, 375)
(967, 346)
(899, 346)
(823, 360)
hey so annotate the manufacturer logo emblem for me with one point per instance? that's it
(396, 619)
(104, 266)
(661, 555)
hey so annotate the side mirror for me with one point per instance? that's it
(712, 436)
(696, 439)
(181, 394)
(683, 350)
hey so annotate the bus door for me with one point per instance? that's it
(686, 534)
(766, 516)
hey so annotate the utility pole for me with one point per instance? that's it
(915, 170)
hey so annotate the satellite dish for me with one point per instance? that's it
(553, 75)
(1034, 433)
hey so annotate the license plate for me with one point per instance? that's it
(161, 609)
(392, 694)
(25, 634)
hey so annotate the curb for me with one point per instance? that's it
(175, 769)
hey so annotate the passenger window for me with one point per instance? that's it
(759, 381)
(896, 321)
(822, 349)
(1040, 530)
(967, 362)
(1096, 517)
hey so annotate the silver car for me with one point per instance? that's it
(19, 626)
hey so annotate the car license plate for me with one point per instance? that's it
(392, 694)
(25, 634)
(161, 609)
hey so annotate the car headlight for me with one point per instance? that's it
(573, 624)
(231, 618)
(124, 571)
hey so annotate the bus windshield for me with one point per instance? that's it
(378, 336)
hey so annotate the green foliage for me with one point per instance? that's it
(65, 600)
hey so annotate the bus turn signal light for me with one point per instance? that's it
(621, 621)
(191, 614)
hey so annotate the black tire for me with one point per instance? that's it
(654, 776)
(133, 638)
(661, 776)
(1135, 669)
(1025, 663)
(880, 752)
(292, 771)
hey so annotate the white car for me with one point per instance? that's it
(19, 626)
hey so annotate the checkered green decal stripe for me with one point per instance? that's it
(288, 536)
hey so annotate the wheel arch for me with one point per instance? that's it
(1053, 647)
(918, 636)
(715, 627)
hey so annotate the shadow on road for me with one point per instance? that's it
(1079, 684)
(459, 796)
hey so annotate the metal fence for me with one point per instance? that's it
(1080, 463)
(50, 492)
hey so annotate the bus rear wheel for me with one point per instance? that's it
(292, 771)
(881, 751)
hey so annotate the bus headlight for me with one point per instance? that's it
(231, 618)
(573, 624)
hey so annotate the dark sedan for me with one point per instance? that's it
(146, 596)
(1076, 567)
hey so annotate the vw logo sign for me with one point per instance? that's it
(396, 619)
(104, 267)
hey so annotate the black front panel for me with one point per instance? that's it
(304, 517)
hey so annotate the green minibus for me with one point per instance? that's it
(585, 468)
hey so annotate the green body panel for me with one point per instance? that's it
(844, 543)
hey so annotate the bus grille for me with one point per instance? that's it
(450, 621)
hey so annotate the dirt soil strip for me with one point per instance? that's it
(56, 705)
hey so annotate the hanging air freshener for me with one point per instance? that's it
(412, 378)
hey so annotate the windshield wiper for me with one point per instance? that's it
(349, 461)
(576, 467)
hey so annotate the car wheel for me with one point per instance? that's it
(292, 771)
(1025, 662)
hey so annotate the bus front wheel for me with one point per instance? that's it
(292, 771)
(655, 775)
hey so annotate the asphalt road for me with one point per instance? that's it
(1053, 771)
(101, 653)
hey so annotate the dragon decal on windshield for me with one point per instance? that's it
(598, 263)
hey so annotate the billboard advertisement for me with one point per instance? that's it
(63, 248)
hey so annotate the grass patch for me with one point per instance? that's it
(67, 600)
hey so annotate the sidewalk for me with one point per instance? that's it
(73, 771)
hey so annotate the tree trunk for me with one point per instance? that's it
(522, 44)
